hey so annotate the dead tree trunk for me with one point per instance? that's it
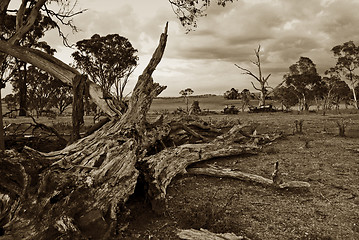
(76, 193)
(71, 192)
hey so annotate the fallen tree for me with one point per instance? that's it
(77, 192)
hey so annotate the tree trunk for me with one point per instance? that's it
(76, 192)
(262, 100)
(23, 91)
(2, 141)
(355, 98)
(77, 106)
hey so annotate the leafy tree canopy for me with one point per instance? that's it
(302, 75)
(186, 92)
(232, 94)
(105, 59)
(347, 55)
(188, 11)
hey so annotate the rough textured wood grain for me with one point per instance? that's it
(76, 193)
(161, 168)
(216, 171)
(193, 234)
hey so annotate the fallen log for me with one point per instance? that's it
(193, 234)
(216, 171)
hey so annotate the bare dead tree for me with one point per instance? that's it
(263, 81)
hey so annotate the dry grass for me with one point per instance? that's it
(330, 210)
(319, 156)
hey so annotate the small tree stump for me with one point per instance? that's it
(298, 126)
(341, 125)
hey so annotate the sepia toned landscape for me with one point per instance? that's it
(179, 119)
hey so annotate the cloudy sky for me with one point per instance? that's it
(203, 60)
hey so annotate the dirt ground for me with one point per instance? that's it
(330, 210)
(319, 156)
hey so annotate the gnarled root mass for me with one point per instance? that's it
(77, 192)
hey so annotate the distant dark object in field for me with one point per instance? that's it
(298, 126)
(195, 109)
(263, 108)
(230, 110)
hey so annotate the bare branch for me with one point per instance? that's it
(255, 87)
(266, 79)
(246, 71)
(25, 27)
(61, 17)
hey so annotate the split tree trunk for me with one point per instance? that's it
(78, 189)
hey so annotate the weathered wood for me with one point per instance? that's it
(181, 126)
(193, 234)
(295, 185)
(80, 188)
(216, 171)
(71, 192)
(161, 168)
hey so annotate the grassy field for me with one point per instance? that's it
(330, 163)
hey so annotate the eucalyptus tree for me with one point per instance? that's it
(303, 78)
(336, 89)
(347, 55)
(185, 93)
(232, 94)
(287, 96)
(61, 97)
(107, 60)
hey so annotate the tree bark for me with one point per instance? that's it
(2, 140)
(22, 89)
(77, 106)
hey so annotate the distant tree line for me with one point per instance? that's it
(303, 86)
